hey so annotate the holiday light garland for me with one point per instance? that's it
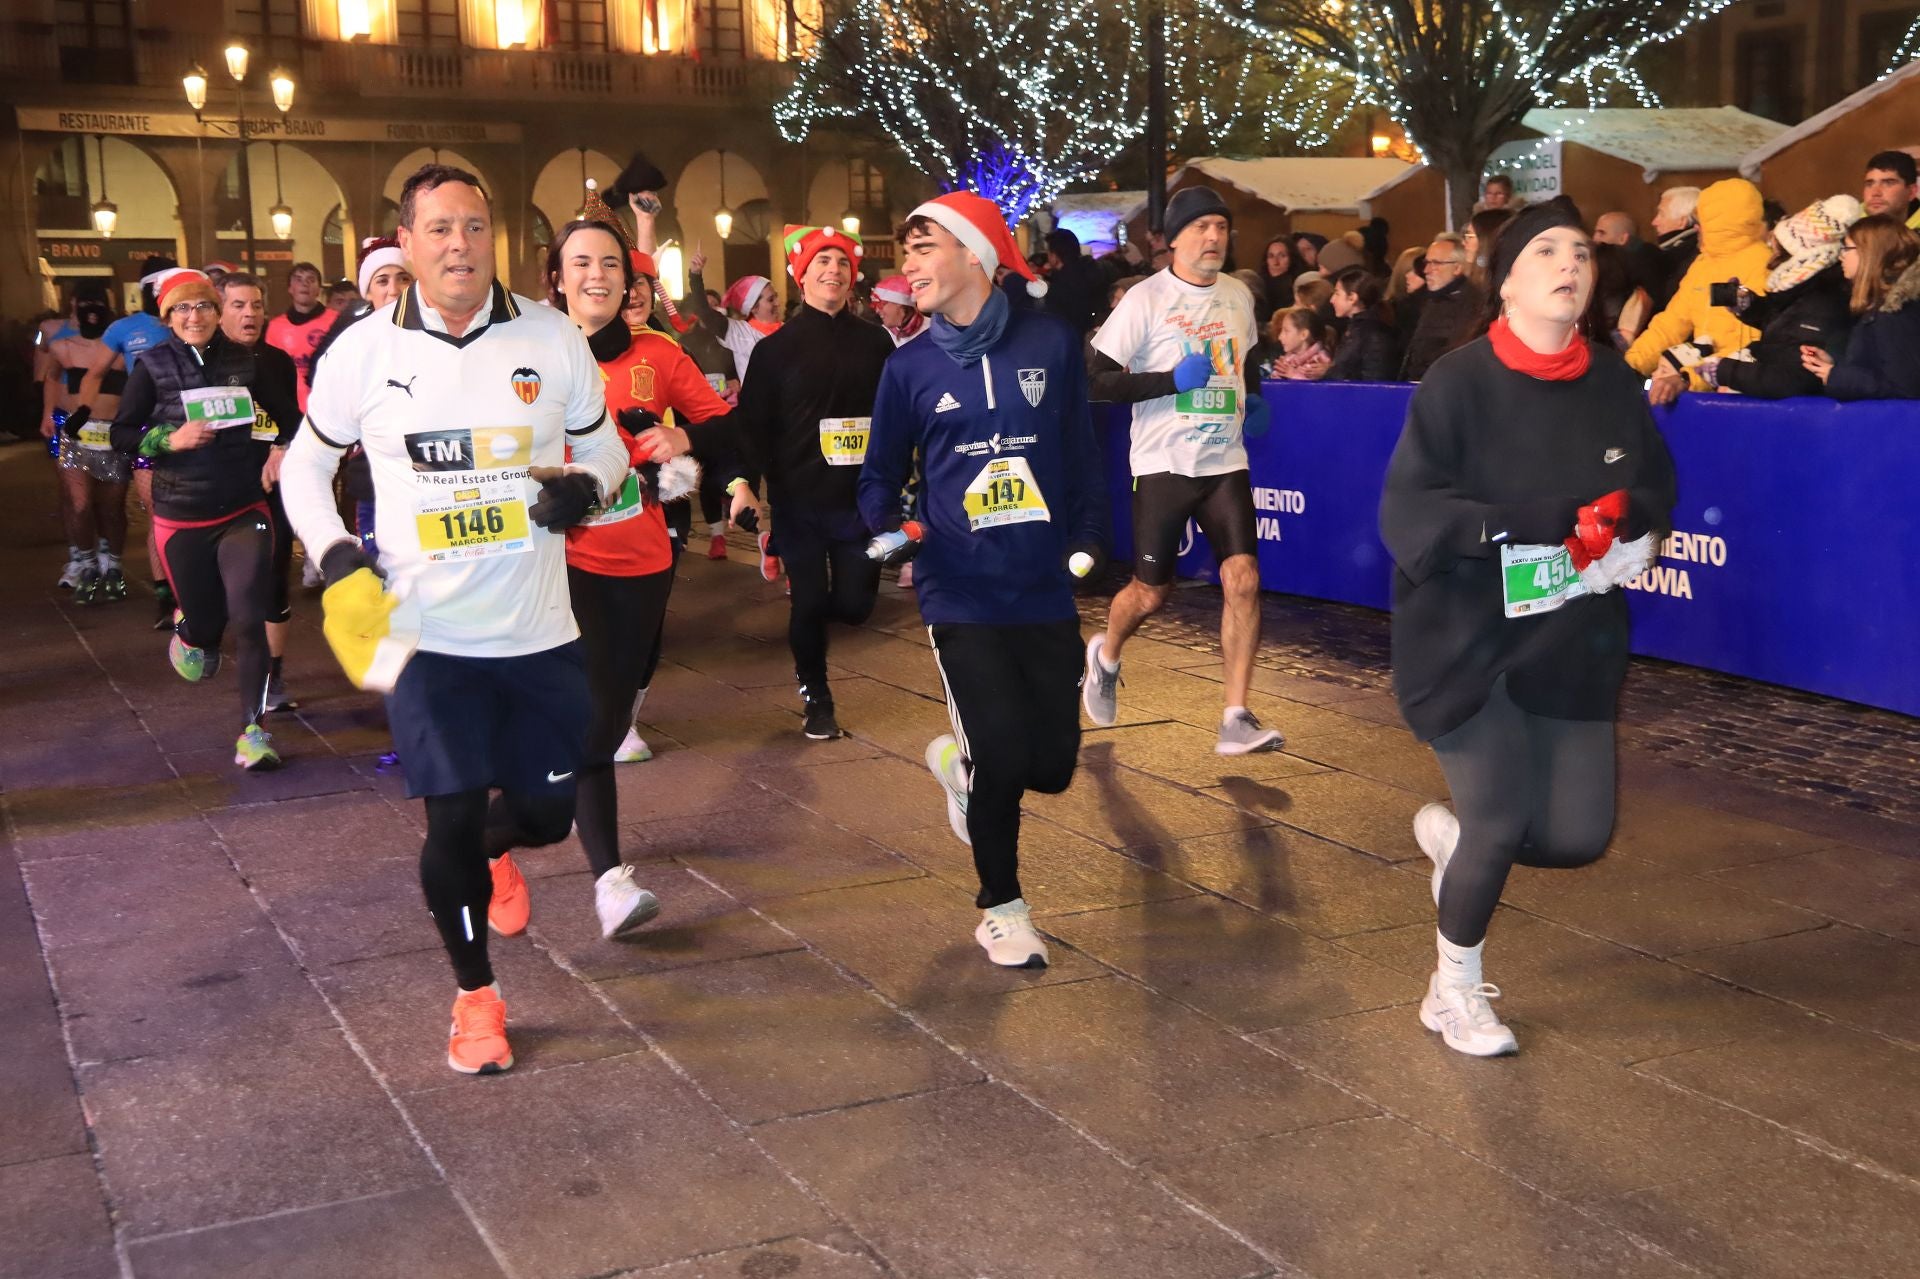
(1019, 103)
(1908, 51)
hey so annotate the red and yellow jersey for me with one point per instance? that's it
(629, 539)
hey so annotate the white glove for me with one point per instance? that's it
(1625, 561)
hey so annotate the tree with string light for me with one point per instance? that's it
(1460, 75)
(1018, 103)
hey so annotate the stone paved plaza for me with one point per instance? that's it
(224, 1004)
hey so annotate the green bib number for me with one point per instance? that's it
(1537, 579)
(219, 407)
(1207, 399)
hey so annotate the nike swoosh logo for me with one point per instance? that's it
(1613, 455)
(559, 777)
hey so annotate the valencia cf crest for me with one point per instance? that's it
(526, 385)
(1033, 385)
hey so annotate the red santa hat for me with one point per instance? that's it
(181, 284)
(376, 253)
(804, 243)
(894, 289)
(642, 264)
(744, 292)
(977, 222)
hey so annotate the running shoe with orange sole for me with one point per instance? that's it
(508, 908)
(770, 567)
(477, 1043)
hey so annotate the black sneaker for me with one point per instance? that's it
(821, 726)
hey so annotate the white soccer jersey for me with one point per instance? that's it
(1160, 322)
(450, 426)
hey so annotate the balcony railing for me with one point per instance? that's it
(29, 52)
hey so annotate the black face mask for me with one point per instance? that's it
(93, 319)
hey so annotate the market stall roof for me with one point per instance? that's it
(1298, 184)
(1661, 140)
(1752, 160)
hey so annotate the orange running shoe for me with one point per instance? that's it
(509, 906)
(478, 1042)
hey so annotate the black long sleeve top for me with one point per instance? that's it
(815, 368)
(1490, 456)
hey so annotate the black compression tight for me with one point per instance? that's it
(222, 576)
(620, 622)
(1529, 791)
(463, 831)
(832, 581)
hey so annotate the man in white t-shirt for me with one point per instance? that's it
(1179, 348)
(467, 401)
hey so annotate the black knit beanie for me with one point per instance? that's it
(1519, 232)
(1190, 203)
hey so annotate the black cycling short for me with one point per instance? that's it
(1222, 505)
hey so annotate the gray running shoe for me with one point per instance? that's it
(1099, 690)
(1243, 735)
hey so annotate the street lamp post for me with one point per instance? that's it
(282, 87)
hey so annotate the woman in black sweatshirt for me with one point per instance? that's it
(1508, 646)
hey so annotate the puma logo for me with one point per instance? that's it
(406, 386)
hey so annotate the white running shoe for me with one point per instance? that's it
(1099, 690)
(310, 574)
(943, 757)
(1244, 734)
(1437, 831)
(633, 749)
(1006, 934)
(622, 904)
(1463, 1017)
(70, 576)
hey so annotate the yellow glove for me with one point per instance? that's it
(358, 620)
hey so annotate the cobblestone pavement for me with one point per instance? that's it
(224, 1005)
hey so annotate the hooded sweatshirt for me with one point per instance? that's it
(1733, 246)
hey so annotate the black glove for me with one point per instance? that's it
(343, 559)
(749, 521)
(565, 499)
(1544, 521)
(78, 417)
(635, 420)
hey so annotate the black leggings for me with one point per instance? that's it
(1014, 695)
(1528, 791)
(833, 581)
(282, 558)
(222, 575)
(620, 622)
(463, 831)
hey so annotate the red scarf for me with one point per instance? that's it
(1561, 366)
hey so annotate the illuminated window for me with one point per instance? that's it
(95, 41)
(576, 24)
(271, 29)
(428, 23)
(723, 27)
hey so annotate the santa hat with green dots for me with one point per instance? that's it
(803, 243)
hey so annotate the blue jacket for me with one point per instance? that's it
(1881, 363)
(1012, 481)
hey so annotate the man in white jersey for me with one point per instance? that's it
(467, 401)
(1179, 348)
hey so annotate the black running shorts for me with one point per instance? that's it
(464, 723)
(1222, 505)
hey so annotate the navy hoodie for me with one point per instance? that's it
(1011, 474)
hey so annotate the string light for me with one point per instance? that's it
(1908, 51)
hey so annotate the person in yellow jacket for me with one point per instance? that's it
(1733, 246)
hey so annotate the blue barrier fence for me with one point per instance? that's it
(1792, 559)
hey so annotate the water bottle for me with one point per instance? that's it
(888, 546)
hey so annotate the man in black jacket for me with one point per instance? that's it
(1679, 231)
(1075, 291)
(805, 413)
(1452, 308)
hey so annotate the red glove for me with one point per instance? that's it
(1594, 528)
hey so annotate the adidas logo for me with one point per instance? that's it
(947, 403)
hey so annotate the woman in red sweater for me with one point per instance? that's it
(620, 561)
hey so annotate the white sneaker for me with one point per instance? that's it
(1006, 934)
(310, 574)
(1099, 690)
(622, 904)
(1463, 1017)
(1437, 831)
(633, 749)
(943, 757)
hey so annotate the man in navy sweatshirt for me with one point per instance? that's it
(994, 403)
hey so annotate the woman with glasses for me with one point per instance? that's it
(198, 408)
